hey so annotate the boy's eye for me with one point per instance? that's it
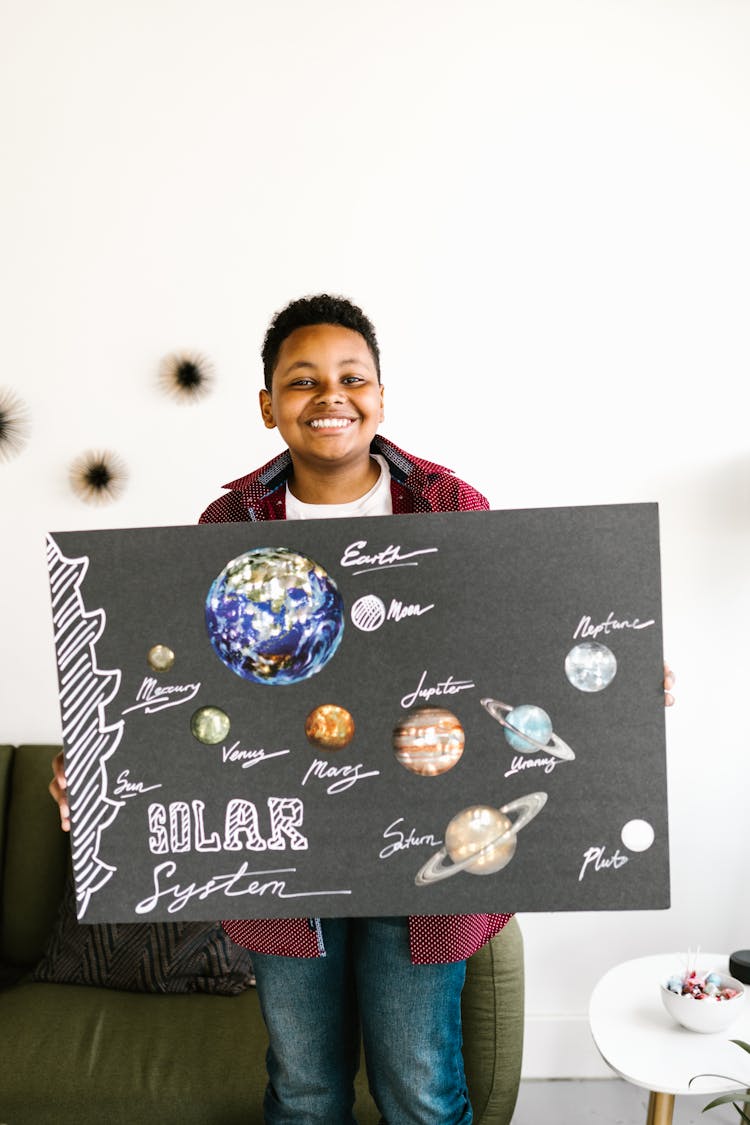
(349, 379)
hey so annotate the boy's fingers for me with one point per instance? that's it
(57, 788)
(58, 769)
(669, 679)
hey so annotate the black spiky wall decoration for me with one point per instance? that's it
(186, 376)
(98, 476)
(14, 424)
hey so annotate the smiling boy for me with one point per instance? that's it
(399, 979)
(326, 400)
(322, 980)
(321, 364)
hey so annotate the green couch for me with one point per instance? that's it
(77, 1055)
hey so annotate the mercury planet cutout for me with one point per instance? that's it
(274, 616)
(160, 658)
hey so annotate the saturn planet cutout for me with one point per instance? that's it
(481, 839)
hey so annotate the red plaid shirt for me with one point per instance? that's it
(416, 486)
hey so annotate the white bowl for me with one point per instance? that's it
(709, 1014)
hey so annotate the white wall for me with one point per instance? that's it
(544, 208)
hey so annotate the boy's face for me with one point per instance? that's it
(325, 397)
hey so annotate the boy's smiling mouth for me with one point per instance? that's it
(330, 423)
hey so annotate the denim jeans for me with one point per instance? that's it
(410, 1020)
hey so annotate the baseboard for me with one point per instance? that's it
(561, 1047)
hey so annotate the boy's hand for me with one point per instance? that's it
(58, 790)
(668, 685)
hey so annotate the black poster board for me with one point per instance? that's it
(438, 627)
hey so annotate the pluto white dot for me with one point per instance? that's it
(637, 835)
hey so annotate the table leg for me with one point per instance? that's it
(660, 1108)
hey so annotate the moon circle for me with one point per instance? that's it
(368, 613)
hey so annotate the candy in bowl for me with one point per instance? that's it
(703, 1001)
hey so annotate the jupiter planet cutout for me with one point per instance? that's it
(428, 741)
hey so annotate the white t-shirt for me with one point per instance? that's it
(376, 502)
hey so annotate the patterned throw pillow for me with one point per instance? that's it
(143, 957)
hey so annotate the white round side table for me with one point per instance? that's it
(644, 1045)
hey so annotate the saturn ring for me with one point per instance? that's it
(480, 839)
(528, 721)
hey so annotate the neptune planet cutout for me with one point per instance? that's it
(274, 616)
(590, 666)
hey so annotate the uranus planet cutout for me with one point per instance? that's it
(590, 666)
(481, 839)
(528, 729)
(274, 616)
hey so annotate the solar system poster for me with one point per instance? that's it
(416, 714)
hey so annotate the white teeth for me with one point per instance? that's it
(330, 423)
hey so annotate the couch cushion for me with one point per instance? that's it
(80, 1056)
(35, 858)
(143, 957)
(493, 1009)
(6, 757)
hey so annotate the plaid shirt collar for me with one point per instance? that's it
(413, 472)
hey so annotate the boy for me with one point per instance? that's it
(317, 978)
(320, 979)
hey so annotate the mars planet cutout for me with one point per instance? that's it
(329, 727)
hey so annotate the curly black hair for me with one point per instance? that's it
(320, 309)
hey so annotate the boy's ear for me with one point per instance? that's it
(382, 404)
(266, 409)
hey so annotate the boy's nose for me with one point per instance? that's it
(330, 392)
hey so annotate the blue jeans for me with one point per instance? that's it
(410, 1020)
